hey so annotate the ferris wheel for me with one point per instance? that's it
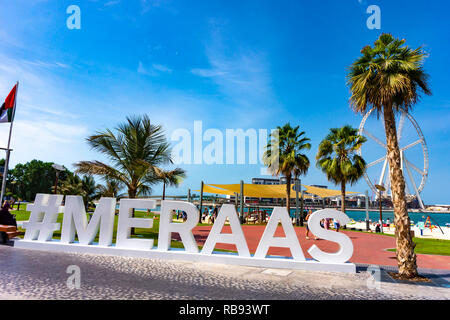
(413, 150)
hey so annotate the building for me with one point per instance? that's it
(268, 181)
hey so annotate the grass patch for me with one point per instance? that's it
(430, 246)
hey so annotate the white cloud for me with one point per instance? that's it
(162, 68)
(207, 73)
(44, 64)
(242, 76)
(146, 5)
(142, 70)
(45, 127)
(44, 140)
(111, 3)
(154, 70)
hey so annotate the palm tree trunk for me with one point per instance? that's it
(406, 257)
(164, 190)
(288, 194)
(132, 195)
(343, 197)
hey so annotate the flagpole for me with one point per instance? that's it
(8, 150)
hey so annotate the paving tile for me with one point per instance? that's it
(277, 272)
(31, 274)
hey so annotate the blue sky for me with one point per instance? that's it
(230, 64)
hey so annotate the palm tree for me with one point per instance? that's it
(71, 186)
(134, 152)
(388, 77)
(111, 188)
(337, 157)
(89, 189)
(301, 166)
(289, 142)
(85, 187)
(170, 178)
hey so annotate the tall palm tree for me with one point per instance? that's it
(338, 159)
(289, 142)
(389, 77)
(170, 178)
(301, 167)
(134, 151)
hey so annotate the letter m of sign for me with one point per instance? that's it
(75, 220)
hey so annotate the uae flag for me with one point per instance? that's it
(7, 109)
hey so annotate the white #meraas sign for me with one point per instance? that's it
(44, 212)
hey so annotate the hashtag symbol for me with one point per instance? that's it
(44, 213)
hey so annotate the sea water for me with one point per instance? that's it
(442, 219)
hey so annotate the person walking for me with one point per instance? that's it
(210, 212)
(205, 214)
(336, 225)
(214, 215)
(307, 227)
(327, 223)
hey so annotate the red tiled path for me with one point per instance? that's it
(368, 248)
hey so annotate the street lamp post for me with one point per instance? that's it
(301, 208)
(201, 203)
(367, 211)
(13, 184)
(242, 219)
(5, 170)
(58, 168)
(297, 187)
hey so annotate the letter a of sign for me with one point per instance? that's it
(73, 21)
(236, 236)
(269, 240)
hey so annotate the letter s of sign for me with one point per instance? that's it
(345, 251)
(74, 20)
(74, 280)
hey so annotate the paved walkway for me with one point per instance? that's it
(368, 248)
(30, 274)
